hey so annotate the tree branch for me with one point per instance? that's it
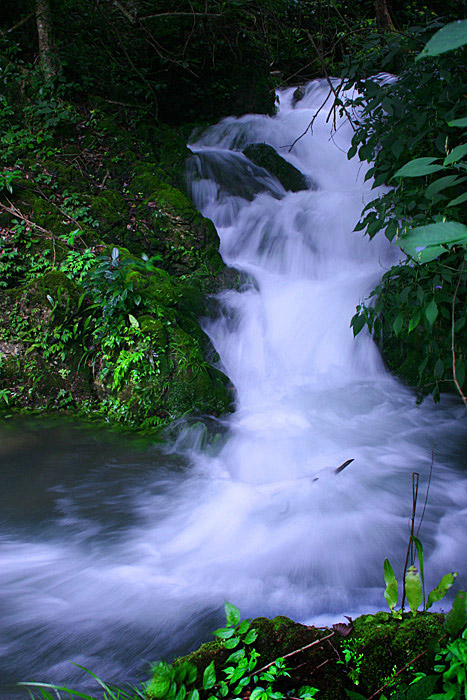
(453, 346)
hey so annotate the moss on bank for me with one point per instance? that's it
(358, 657)
(105, 269)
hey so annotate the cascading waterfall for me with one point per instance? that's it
(259, 516)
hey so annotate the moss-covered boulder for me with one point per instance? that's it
(352, 659)
(267, 157)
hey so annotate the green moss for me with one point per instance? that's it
(388, 643)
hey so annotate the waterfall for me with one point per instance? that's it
(259, 516)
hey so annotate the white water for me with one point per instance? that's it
(261, 518)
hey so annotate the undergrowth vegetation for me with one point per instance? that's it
(411, 128)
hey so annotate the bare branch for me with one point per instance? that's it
(453, 346)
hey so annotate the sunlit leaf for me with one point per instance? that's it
(232, 615)
(413, 589)
(441, 589)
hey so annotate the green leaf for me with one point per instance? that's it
(431, 312)
(423, 243)
(414, 321)
(456, 154)
(357, 323)
(441, 589)
(231, 643)
(243, 627)
(224, 632)
(449, 37)
(191, 673)
(417, 167)
(456, 619)
(419, 548)
(458, 200)
(423, 688)
(133, 321)
(209, 676)
(232, 615)
(458, 122)
(398, 323)
(413, 589)
(236, 656)
(161, 682)
(390, 594)
(438, 185)
(250, 637)
(193, 695)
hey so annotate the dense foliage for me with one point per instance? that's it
(411, 129)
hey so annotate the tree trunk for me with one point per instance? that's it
(47, 56)
(383, 18)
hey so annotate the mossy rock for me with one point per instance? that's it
(266, 157)
(380, 646)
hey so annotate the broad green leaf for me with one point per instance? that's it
(191, 673)
(133, 321)
(456, 154)
(431, 312)
(417, 167)
(236, 656)
(456, 619)
(458, 122)
(414, 321)
(224, 632)
(161, 682)
(421, 238)
(413, 589)
(243, 627)
(357, 323)
(449, 37)
(458, 200)
(422, 688)
(250, 637)
(181, 693)
(232, 615)
(209, 676)
(390, 594)
(398, 323)
(441, 589)
(232, 642)
(193, 695)
(419, 548)
(438, 185)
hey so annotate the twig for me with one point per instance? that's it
(292, 653)
(310, 125)
(329, 81)
(415, 480)
(16, 212)
(181, 14)
(427, 490)
(20, 23)
(402, 670)
(453, 347)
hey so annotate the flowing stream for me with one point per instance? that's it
(112, 554)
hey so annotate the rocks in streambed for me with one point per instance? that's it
(289, 176)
